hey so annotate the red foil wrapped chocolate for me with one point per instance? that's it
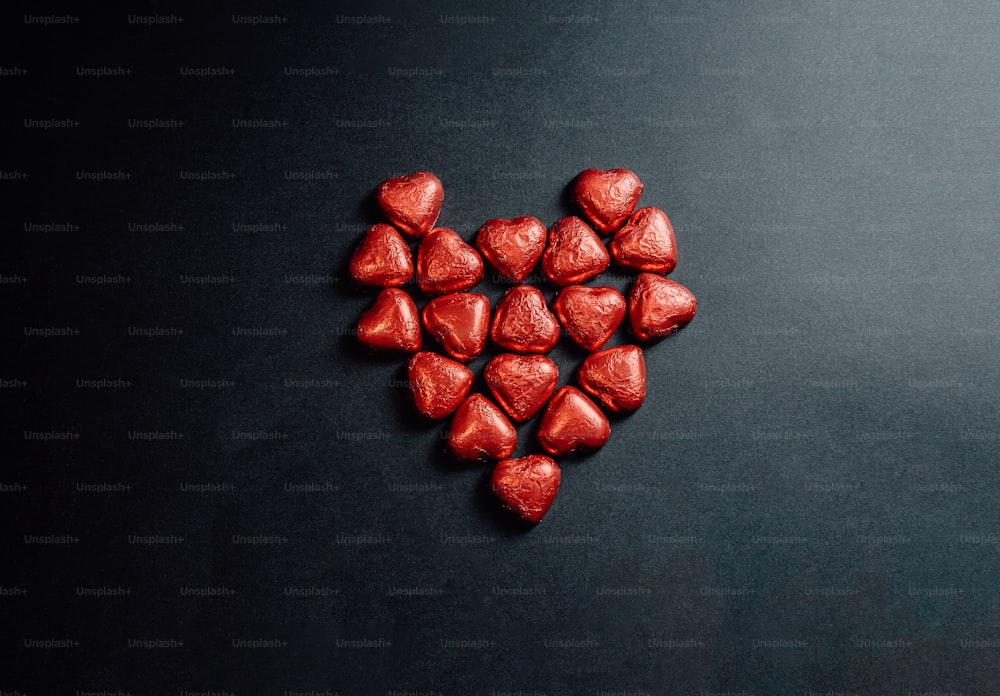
(460, 322)
(615, 377)
(607, 198)
(527, 486)
(572, 423)
(391, 324)
(480, 430)
(521, 384)
(412, 202)
(590, 315)
(438, 384)
(646, 242)
(658, 306)
(445, 263)
(523, 323)
(575, 253)
(513, 247)
(382, 259)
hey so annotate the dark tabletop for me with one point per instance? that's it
(212, 489)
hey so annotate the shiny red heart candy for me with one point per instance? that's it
(460, 322)
(382, 259)
(480, 430)
(512, 247)
(590, 315)
(445, 263)
(521, 384)
(615, 377)
(391, 324)
(646, 242)
(523, 323)
(438, 384)
(527, 486)
(575, 254)
(412, 202)
(607, 198)
(658, 306)
(572, 423)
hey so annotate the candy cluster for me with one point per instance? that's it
(522, 381)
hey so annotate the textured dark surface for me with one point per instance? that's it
(807, 502)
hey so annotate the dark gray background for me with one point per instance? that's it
(806, 502)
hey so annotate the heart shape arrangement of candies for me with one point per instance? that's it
(521, 381)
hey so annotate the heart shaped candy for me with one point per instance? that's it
(646, 242)
(445, 263)
(391, 324)
(572, 423)
(438, 384)
(569, 254)
(575, 253)
(589, 315)
(523, 323)
(527, 486)
(607, 198)
(616, 377)
(521, 384)
(460, 322)
(412, 202)
(512, 247)
(382, 259)
(480, 430)
(658, 306)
